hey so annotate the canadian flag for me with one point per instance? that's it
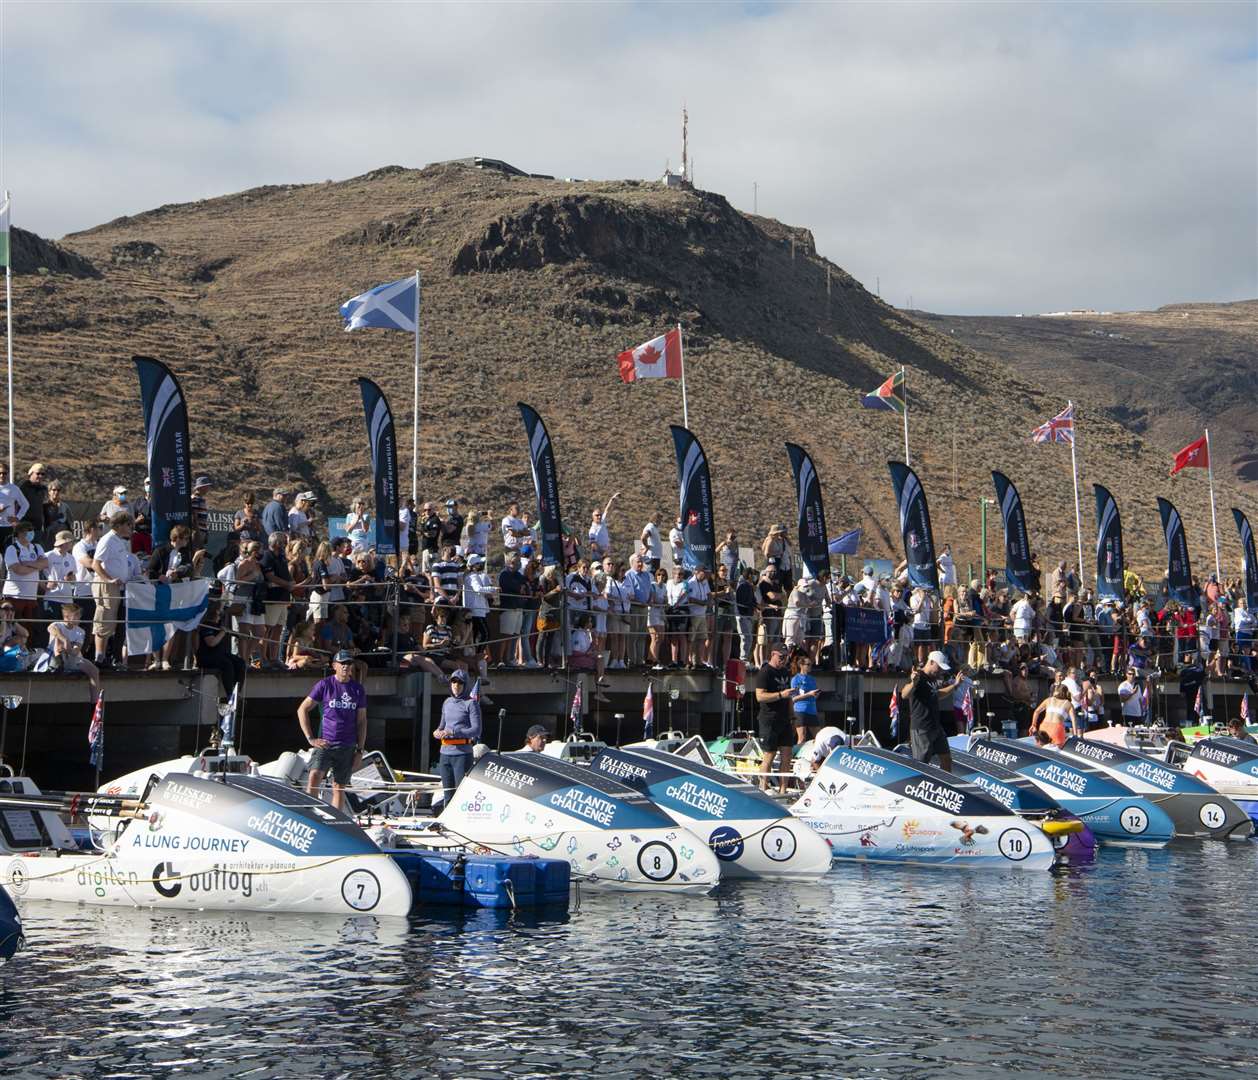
(659, 358)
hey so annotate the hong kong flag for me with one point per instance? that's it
(659, 358)
(1195, 455)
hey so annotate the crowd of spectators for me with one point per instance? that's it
(470, 591)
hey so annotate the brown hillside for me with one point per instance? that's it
(530, 289)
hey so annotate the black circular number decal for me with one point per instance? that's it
(1014, 844)
(778, 843)
(657, 861)
(361, 890)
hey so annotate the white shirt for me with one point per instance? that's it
(355, 529)
(1242, 620)
(478, 538)
(677, 539)
(1023, 615)
(111, 552)
(947, 570)
(510, 526)
(22, 586)
(653, 546)
(921, 607)
(1076, 691)
(676, 592)
(298, 523)
(114, 507)
(62, 575)
(600, 537)
(699, 593)
(617, 597)
(13, 504)
(73, 634)
(82, 552)
(1132, 706)
(477, 589)
(405, 518)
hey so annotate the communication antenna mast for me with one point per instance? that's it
(685, 123)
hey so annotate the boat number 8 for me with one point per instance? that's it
(1134, 819)
(657, 861)
(778, 843)
(1014, 844)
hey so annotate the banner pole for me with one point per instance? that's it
(681, 350)
(904, 383)
(1074, 472)
(415, 406)
(8, 321)
(1214, 525)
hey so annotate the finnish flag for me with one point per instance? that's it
(156, 610)
(394, 306)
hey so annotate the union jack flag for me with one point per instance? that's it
(96, 732)
(475, 692)
(1061, 428)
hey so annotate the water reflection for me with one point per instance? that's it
(1101, 970)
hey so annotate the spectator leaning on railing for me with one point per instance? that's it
(111, 569)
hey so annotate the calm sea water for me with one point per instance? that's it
(1138, 966)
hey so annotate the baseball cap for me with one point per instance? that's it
(459, 676)
(536, 729)
(475, 560)
(201, 481)
(280, 491)
(940, 659)
(306, 496)
(451, 502)
(120, 489)
(343, 657)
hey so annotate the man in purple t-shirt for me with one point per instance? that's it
(343, 732)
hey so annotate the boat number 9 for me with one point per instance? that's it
(778, 843)
(1212, 816)
(657, 861)
(1134, 819)
(360, 890)
(1014, 844)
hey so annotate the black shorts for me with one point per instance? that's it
(775, 734)
(338, 760)
(929, 744)
(480, 629)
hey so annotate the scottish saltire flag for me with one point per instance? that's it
(156, 610)
(96, 732)
(394, 306)
(576, 711)
(847, 544)
(1061, 428)
(227, 714)
(890, 395)
(648, 714)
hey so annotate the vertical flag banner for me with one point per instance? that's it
(545, 486)
(919, 542)
(1109, 546)
(393, 306)
(166, 446)
(1018, 568)
(383, 443)
(814, 547)
(1249, 561)
(1178, 569)
(648, 713)
(695, 513)
(96, 734)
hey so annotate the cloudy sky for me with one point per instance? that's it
(978, 158)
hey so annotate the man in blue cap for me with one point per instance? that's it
(343, 731)
(459, 730)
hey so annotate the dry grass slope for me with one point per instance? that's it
(530, 289)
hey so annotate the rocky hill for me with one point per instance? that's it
(530, 288)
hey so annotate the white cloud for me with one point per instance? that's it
(980, 158)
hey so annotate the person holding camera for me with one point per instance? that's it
(922, 693)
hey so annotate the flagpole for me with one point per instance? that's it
(414, 407)
(1214, 524)
(904, 382)
(8, 317)
(1074, 470)
(681, 352)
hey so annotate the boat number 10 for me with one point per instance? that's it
(1014, 844)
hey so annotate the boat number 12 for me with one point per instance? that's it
(1134, 819)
